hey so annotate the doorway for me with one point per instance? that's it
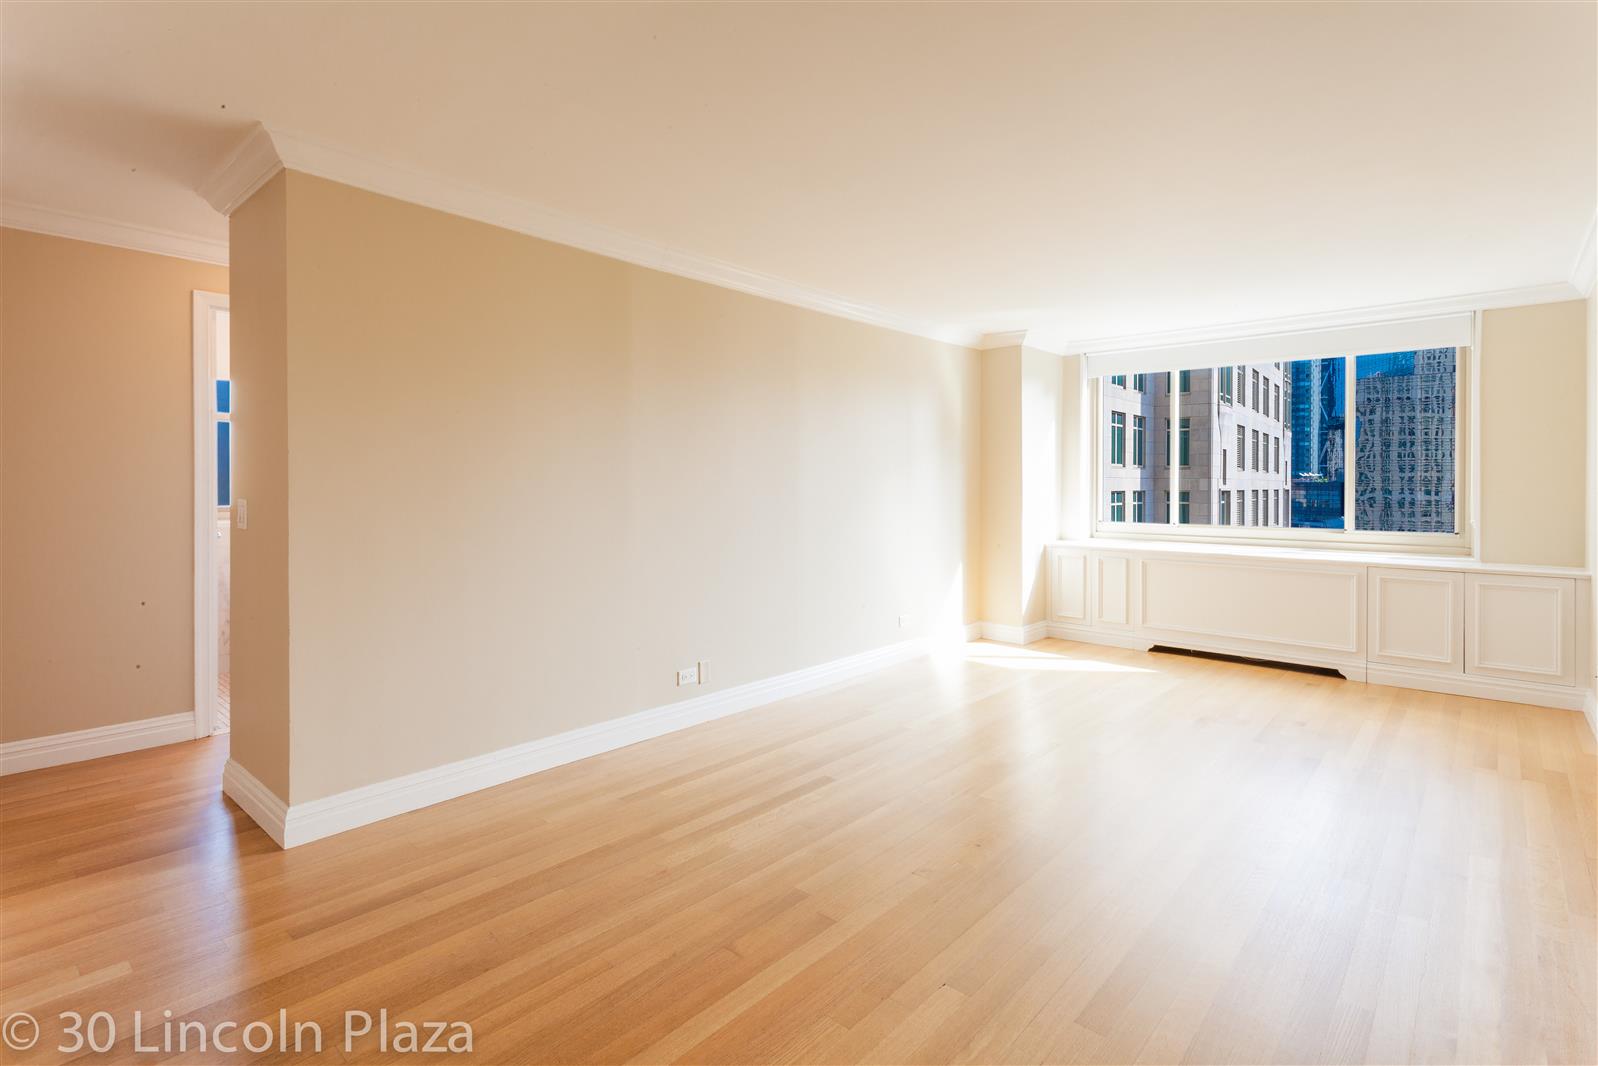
(214, 445)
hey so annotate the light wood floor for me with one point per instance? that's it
(1054, 854)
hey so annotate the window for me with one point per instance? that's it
(224, 442)
(1140, 383)
(1315, 459)
(1404, 423)
(1118, 506)
(1357, 444)
(1118, 380)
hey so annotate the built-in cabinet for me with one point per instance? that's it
(1450, 625)
(1416, 618)
(1521, 627)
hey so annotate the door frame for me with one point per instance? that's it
(206, 304)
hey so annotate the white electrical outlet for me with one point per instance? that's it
(906, 621)
(241, 514)
(704, 672)
(689, 676)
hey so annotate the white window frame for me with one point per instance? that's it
(1459, 542)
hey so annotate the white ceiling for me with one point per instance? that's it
(1081, 170)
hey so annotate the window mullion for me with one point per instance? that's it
(1174, 509)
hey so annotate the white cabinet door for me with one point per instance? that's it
(1417, 618)
(1068, 585)
(1114, 580)
(1521, 627)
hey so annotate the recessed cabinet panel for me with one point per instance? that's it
(1417, 618)
(1114, 573)
(1521, 627)
(1068, 585)
(1322, 609)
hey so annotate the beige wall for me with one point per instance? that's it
(96, 498)
(259, 682)
(527, 483)
(1533, 434)
(1001, 485)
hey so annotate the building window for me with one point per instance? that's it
(1140, 383)
(1387, 421)
(1118, 506)
(1118, 380)
(1185, 507)
(1140, 505)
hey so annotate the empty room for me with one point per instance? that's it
(811, 533)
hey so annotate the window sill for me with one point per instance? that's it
(1375, 555)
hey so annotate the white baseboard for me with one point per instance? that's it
(258, 801)
(1005, 634)
(1562, 696)
(19, 756)
(301, 823)
(1112, 638)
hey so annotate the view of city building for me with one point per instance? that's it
(1230, 443)
(1265, 444)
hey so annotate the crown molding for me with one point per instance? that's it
(1585, 270)
(1009, 339)
(107, 231)
(1552, 292)
(247, 168)
(266, 151)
